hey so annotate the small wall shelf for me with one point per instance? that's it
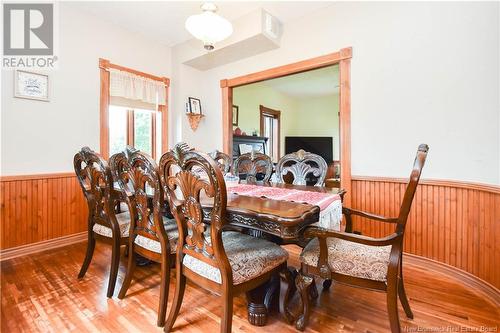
(194, 120)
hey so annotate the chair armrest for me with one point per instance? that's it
(322, 233)
(341, 193)
(350, 211)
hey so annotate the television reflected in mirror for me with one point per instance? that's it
(322, 146)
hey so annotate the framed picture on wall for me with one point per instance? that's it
(235, 115)
(194, 105)
(31, 85)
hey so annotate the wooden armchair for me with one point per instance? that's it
(152, 235)
(224, 262)
(252, 164)
(222, 160)
(372, 263)
(104, 224)
(300, 164)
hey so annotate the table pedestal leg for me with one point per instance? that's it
(263, 300)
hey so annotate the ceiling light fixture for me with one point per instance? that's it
(208, 26)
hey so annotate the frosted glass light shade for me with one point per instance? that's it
(209, 27)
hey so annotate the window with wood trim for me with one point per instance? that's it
(270, 127)
(133, 110)
(135, 127)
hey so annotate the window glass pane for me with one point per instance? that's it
(268, 134)
(117, 129)
(158, 135)
(143, 138)
(275, 125)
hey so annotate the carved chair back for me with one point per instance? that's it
(300, 164)
(251, 164)
(411, 188)
(199, 236)
(96, 182)
(129, 150)
(137, 176)
(222, 160)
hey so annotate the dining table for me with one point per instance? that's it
(279, 213)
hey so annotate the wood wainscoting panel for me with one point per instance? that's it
(451, 222)
(38, 208)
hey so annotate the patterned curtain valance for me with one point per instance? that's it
(134, 87)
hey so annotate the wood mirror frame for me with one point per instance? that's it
(343, 59)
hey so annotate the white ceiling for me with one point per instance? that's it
(163, 21)
(314, 83)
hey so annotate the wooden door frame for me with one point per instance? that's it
(104, 66)
(277, 114)
(343, 59)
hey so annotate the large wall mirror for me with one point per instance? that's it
(258, 108)
(283, 115)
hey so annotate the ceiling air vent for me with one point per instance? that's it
(254, 33)
(272, 26)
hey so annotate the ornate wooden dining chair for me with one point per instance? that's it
(104, 224)
(372, 263)
(253, 164)
(300, 164)
(129, 150)
(222, 160)
(152, 235)
(224, 262)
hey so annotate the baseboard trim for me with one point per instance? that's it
(489, 291)
(23, 250)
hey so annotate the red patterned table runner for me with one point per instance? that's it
(323, 200)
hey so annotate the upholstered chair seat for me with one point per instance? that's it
(155, 246)
(123, 220)
(349, 258)
(249, 257)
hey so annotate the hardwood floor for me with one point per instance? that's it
(40, 293)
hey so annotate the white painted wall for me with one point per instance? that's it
(42, 137)
(186, 82)
(421, 72)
